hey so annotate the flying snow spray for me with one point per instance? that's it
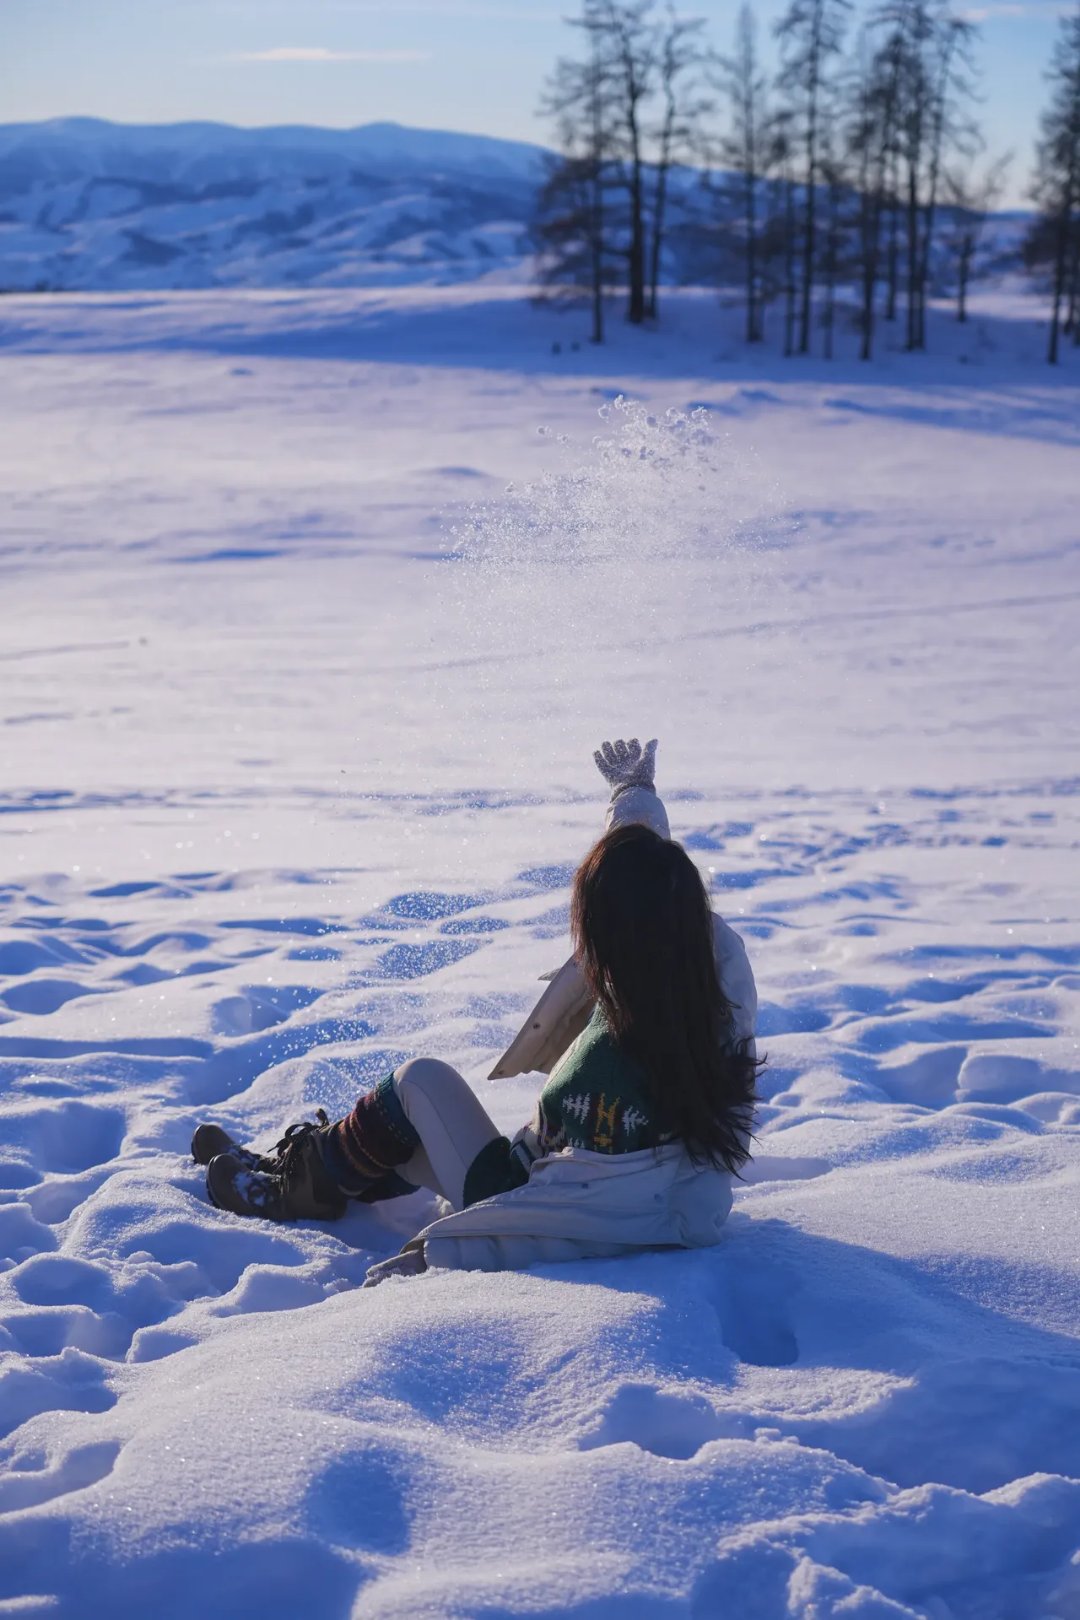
(597, 594)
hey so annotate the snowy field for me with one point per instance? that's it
(287, 796)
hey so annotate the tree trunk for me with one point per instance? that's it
(753, 330)
(810, 227)
(937, 142)
(873, 170)
(830, 273)
(636, 309)
(870, 237)
(964, 271)
(1060, 261)
(597, 299)
(596, 245)
(1072, 320)
(789, 266)
(632, 90)
(1064, 237)
(656, 247)
(912, 254)
(894, 246)
(753, 317)
(597, 291)
(635, 312)
(866, 347)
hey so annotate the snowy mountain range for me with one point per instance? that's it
(89, 204)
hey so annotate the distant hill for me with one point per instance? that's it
(89, 204)
(86, 204)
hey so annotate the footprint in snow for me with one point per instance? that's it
(668, 1425)
(84, 1466)
(755, 1319)
(41, 996)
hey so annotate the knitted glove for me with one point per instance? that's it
(409, 1263)
(627, 764)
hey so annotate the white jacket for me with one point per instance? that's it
(577, 1204)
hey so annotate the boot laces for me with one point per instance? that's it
(285, 1151)
(298, 1171)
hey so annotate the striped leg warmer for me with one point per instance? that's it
(363, 1149)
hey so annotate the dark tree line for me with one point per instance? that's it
(1054, 244)
(855, 169)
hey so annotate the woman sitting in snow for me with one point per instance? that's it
(647, 1034)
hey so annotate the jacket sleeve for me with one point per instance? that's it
(640, 806)
(554, 1023)
(736, 979)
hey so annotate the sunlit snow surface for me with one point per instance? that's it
(308, 636)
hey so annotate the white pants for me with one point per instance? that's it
(451, 1122)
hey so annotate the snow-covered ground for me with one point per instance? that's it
(288, 795)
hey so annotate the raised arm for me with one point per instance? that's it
(630, 772)
(566, 1005)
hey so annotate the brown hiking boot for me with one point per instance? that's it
(297, 1187)
(210, 1140)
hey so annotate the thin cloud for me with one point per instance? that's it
(1011, 9)
(452, 10)
(321, 53)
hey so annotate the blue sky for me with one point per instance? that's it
(453, 64)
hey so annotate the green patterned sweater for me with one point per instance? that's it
(595, 1098)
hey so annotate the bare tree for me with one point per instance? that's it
(949, 80)
(892, 275)
(930, 48)
(811, 34)
(624, 116)
(912, 28)
(680, 55)
(835, 179)
(785, 229)
(884, 74)
(872, 148)
(624, 38)
(571, 228)
(1072, 316)
(1056, 186)
(970, 199)
(746, 150)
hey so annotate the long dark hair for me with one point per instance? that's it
(643, 934)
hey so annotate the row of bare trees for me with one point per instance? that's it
(857, 166)
(1055, 241)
